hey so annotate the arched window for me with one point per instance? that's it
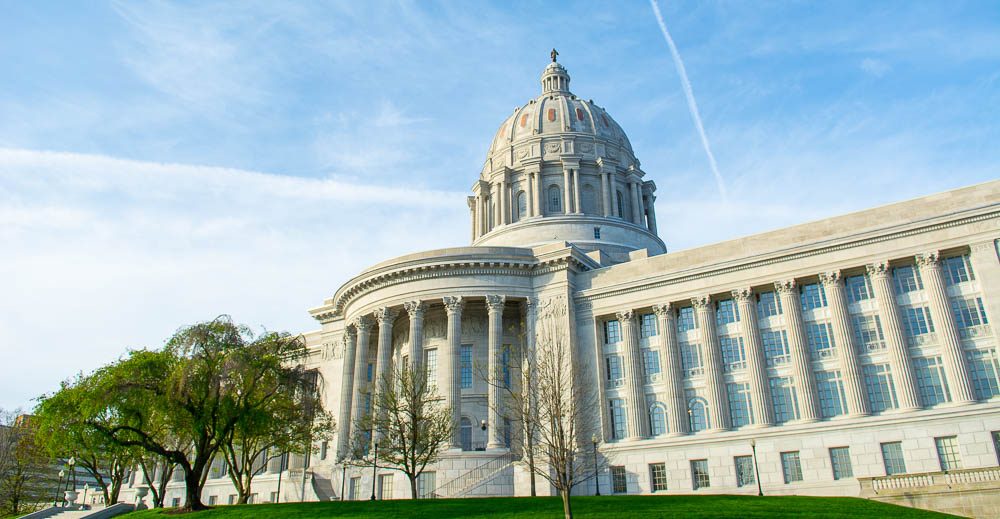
(589, 201)
(621, 204)
(698, 419)
(555, 200)
(522, 205)
(466, 427)
(657, 419)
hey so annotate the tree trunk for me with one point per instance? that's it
(531, 469)
(567, 510)
(413, 486)
(193, 495)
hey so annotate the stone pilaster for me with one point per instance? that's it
(673, 380)
(347, 391)
(718, 401)
(642, 205)
(652, 214)
(363, 325)
(902, 366)
(416, 311)
(539, 205)
(567, 192)
(760, 391)
(495, 304)
(955, 365)
(847, 348)
(605, 187)
(450, 369)
(633, 194)
(801, 360)
(637, 414)
(576, 191)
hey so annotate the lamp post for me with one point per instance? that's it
(281, 468)
(62, 474)
(597, 482)
(343, 478)
(374, 468)
(71, 495)
(753, 446)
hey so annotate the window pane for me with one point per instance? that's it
(744, 471)
(790, 466)
(775, 344)
(840, 458)
(785, 400)
(466, 366)
(858, 288)
(619, 483)
(931, 380)
(768, 304)
(739, 404)
(881, 390)
(907, 279)
(947, 449)
(892, 456)
(648, 328)
(830, 387)
(984, 369)
(957, 269)
(868, 333)
(726, 312)
(819, 336)
(658, 476)
(612, 332)
(733, 353)
(813, 296)
(617, 418)
(699, 474)
(685, 319)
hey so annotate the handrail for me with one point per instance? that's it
(465, 481)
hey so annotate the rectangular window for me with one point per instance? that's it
(369, 372)
(917, 320)
(868, 333)
(612, 332)
(368, 403)
(619, 482)
(881, 390)
(726, 312)
(699, 474)
(597, 233)
(648, 327)
(212, 500)
(907, 279)
(996, 443)
(430, 367)
(685, 319)
(651, 364)
(812, 296)
(830, 387)
(385, 486)
(691, 359)
(466, 366)
(734, 357)
(892, 457)
(985, 371)
(322, 449)
(426, 483)
(613, 363)
(505, 365)
(232, 499)
(785, 399)
(775, 344)
(252, 498)
(858, 288)
(931, 381)
(819, 336)
(176, 502)
(658, 476)
(768, 304)
(790, 466)
(968, 312)
(739, 404)
(840, 458)
(957, 269)
(617, 418)
(744, 471)
(274, 497)
(947, 449)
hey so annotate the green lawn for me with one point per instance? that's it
(742, 507)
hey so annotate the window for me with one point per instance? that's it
(785, 400)
(868, 332)
(617, 418)
(212, 500)
(430, 365)
(685, 319)
(892, 457)
(739, 404)
(768, 304)
(624, 211)
(597, 233)
(698, 419)
(957, 269)
(657, 419)
(506, 432)
(385, 486)
(917, 320)
(699, 474)
(968, 312)
(466, 431)
(322, 449)
(658, 476)
(177, 502)
(466, 366)
(612, 332)
(426, 484)
(368, 403)
(881, 390)
(907, 279)
(984, 369)
(651, 364)
(820, 339)
(830, 387)
(726, 312)
(858, 288)
(996, 443)
(614, 370)
(232, 499)
(947, 449)
(274, 497)
(251, 499)
(744, 471)
(812, 296)
(619, 484)
(369, 372)
(931, 380)
(648, 328)
(555, 200)
(522, 205)
(733, 356)
(505, 365)
(775, 347)
(691, 359)
(840, 459)
(790, 466)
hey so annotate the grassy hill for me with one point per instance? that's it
(700, 506)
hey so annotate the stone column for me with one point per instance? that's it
(495, 304)
(760, 390)
(605, 192)
(801, 361)
(633, 188)
(673, 380)
(652, 214)
(496, 202)
(642, 206)
(951, 342)
(902, 367)
(539, 201)
(383, 366)
(472, 216)
(450, 380)
(363, 325)
(529, 193)
(567, 193)
(484, 220)
(502, 199)
(576, 191)
(718, 401)
(637, 415)
(847, 348)
(347, 391)
(416, 311)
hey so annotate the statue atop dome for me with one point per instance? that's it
(553, 54)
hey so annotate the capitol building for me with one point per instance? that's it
(852, 356)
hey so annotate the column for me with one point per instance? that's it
(847, 348)
(616, 208)
(673, 379)
(347, 391)
(955, 365)
(450, 380)
(902, 367)
(495, 304)
(476, 226)
(363, 325)
(718, 401)
(576, 191)
(801, 361)
(605, 193)
(472, 216)
(637, 415)
(416, 311)
(383, 366)
(760, 390)
(539, 201)
(496, 204)
(483, 219)
(502, 188)
(633, 191)
(642, 206)
(652, 214)
(567, 189)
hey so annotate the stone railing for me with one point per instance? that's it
(929, 481)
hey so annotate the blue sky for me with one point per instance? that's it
(162, 163)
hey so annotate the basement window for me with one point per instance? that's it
(597, 233)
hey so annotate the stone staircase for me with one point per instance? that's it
(480, 475)
(97, 512)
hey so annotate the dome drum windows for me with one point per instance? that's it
(555, 199)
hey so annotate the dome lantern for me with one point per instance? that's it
(554, 77)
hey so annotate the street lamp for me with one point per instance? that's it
(597, 482)
(62, 474)
(71, 495)
(374, 468)
(753, 445)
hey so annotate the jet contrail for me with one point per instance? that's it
(692, 106)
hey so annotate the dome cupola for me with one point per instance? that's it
(554, 77)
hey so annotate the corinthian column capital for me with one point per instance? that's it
(743, 295)
(927, 260)
(495, 303)
(454, 305)
(878, 269)
(831, 278)
(415, 308)
(625, 315)
(785, 286)
(664, 310)
(385, 316)
(701, 302)
(363, 324)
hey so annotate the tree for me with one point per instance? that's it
(411, 424)
(153, 467)
(26, 480)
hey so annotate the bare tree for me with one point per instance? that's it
(26, 478)
(156, 473)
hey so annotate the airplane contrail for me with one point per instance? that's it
(692, 105)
